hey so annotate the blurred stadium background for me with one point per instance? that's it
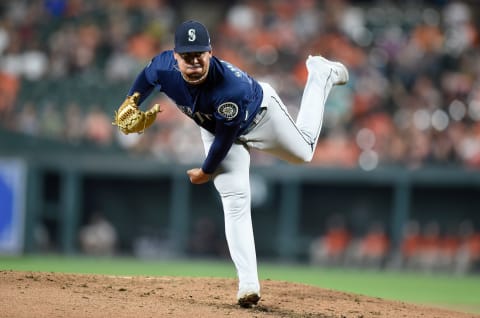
(394, 183)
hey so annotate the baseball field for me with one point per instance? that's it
(55, 286)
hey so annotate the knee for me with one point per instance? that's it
(301, 159)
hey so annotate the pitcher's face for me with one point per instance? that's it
(194, 66)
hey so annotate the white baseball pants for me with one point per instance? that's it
(279, 135)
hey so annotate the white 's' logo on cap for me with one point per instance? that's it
(191, 35)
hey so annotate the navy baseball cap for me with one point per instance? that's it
(192, 36)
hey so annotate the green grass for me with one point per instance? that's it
(461, 293)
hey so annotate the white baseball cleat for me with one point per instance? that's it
(247, 299)
(335, 69)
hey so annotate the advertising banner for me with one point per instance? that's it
(12, 205)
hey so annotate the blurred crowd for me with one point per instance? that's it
(424, 246)
(413, 98)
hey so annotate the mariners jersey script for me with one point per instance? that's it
(228, 95)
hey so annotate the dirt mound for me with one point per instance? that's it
(34, 294)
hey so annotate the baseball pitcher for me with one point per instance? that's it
(235, 113)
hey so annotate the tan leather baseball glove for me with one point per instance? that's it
(130, 119)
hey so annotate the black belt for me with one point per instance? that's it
(258, 117)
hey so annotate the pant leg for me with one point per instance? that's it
(310, 116)
(232, 182)
(279, 134)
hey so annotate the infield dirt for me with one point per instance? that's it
(35, 294)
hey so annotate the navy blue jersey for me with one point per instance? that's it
(225, 104)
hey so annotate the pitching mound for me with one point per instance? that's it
(33, 294)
